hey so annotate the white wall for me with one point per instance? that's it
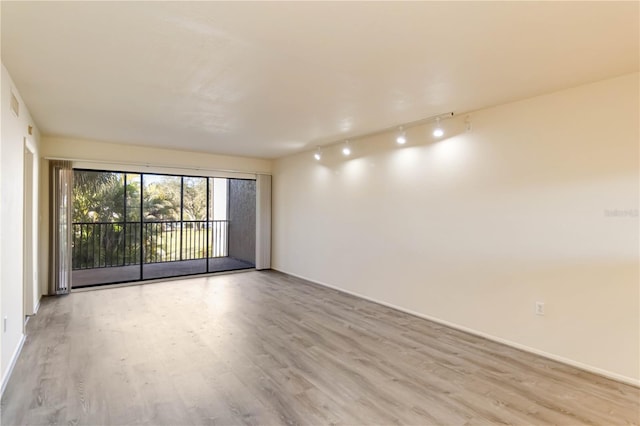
(472, 230)
(14, 137)
(111, 153)
(110, 156)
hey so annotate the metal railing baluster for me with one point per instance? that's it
(112, 244)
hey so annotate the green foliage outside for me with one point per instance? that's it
(107, 226)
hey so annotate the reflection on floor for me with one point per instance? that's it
(118, 274)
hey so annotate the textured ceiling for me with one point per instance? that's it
(269, 79)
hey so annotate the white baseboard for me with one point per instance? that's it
(554, 357)
(12, 363)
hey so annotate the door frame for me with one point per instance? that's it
(29, 231)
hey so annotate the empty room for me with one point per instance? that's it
(314, 213)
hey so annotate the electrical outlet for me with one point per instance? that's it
(539, 308)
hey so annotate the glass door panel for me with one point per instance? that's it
(138, 226)
(161, 226)
(100, 248)
(194, 224)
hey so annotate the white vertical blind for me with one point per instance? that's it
(263, 222)
(60, 195)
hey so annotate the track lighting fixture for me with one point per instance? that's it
(401, 139)
(346, 150)
(399, 131)
(437, 131)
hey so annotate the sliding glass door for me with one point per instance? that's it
(131, 226)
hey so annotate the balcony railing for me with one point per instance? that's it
(107, 244)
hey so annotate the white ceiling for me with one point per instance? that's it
(268, 79)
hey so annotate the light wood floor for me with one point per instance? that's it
(265, 348)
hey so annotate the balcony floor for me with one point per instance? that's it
(117, 274)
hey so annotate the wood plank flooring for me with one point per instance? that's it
(265, 348)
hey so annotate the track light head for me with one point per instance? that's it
(438, 132)
(467, 123)
(318, 154)
(346, 150)
(401, 139)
